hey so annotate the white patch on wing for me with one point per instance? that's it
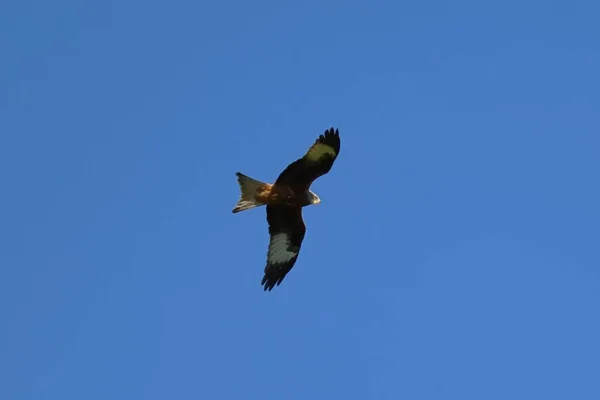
(278, 250)
(319, 150)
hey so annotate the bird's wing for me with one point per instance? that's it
(286, 229)
(317, 161)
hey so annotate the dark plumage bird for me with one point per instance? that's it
(284, 200)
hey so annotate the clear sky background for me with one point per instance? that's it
(455, 254)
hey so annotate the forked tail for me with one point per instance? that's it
(249, 188)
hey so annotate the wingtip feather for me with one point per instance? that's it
(269, 281)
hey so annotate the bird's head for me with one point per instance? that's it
(313, 198)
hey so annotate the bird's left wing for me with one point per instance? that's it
(317, 161)
(286, 231)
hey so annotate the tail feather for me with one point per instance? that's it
(249, 188)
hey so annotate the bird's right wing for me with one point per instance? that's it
(286, 231)
(317, 161)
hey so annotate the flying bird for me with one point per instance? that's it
(284, 200)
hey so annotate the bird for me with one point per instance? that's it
(284, 200)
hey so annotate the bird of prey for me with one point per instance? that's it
(284, 200)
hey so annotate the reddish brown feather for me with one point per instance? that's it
(279, 195)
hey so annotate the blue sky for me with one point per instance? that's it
(454, 255)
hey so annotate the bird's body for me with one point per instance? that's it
(284, 201)
(274, 195)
